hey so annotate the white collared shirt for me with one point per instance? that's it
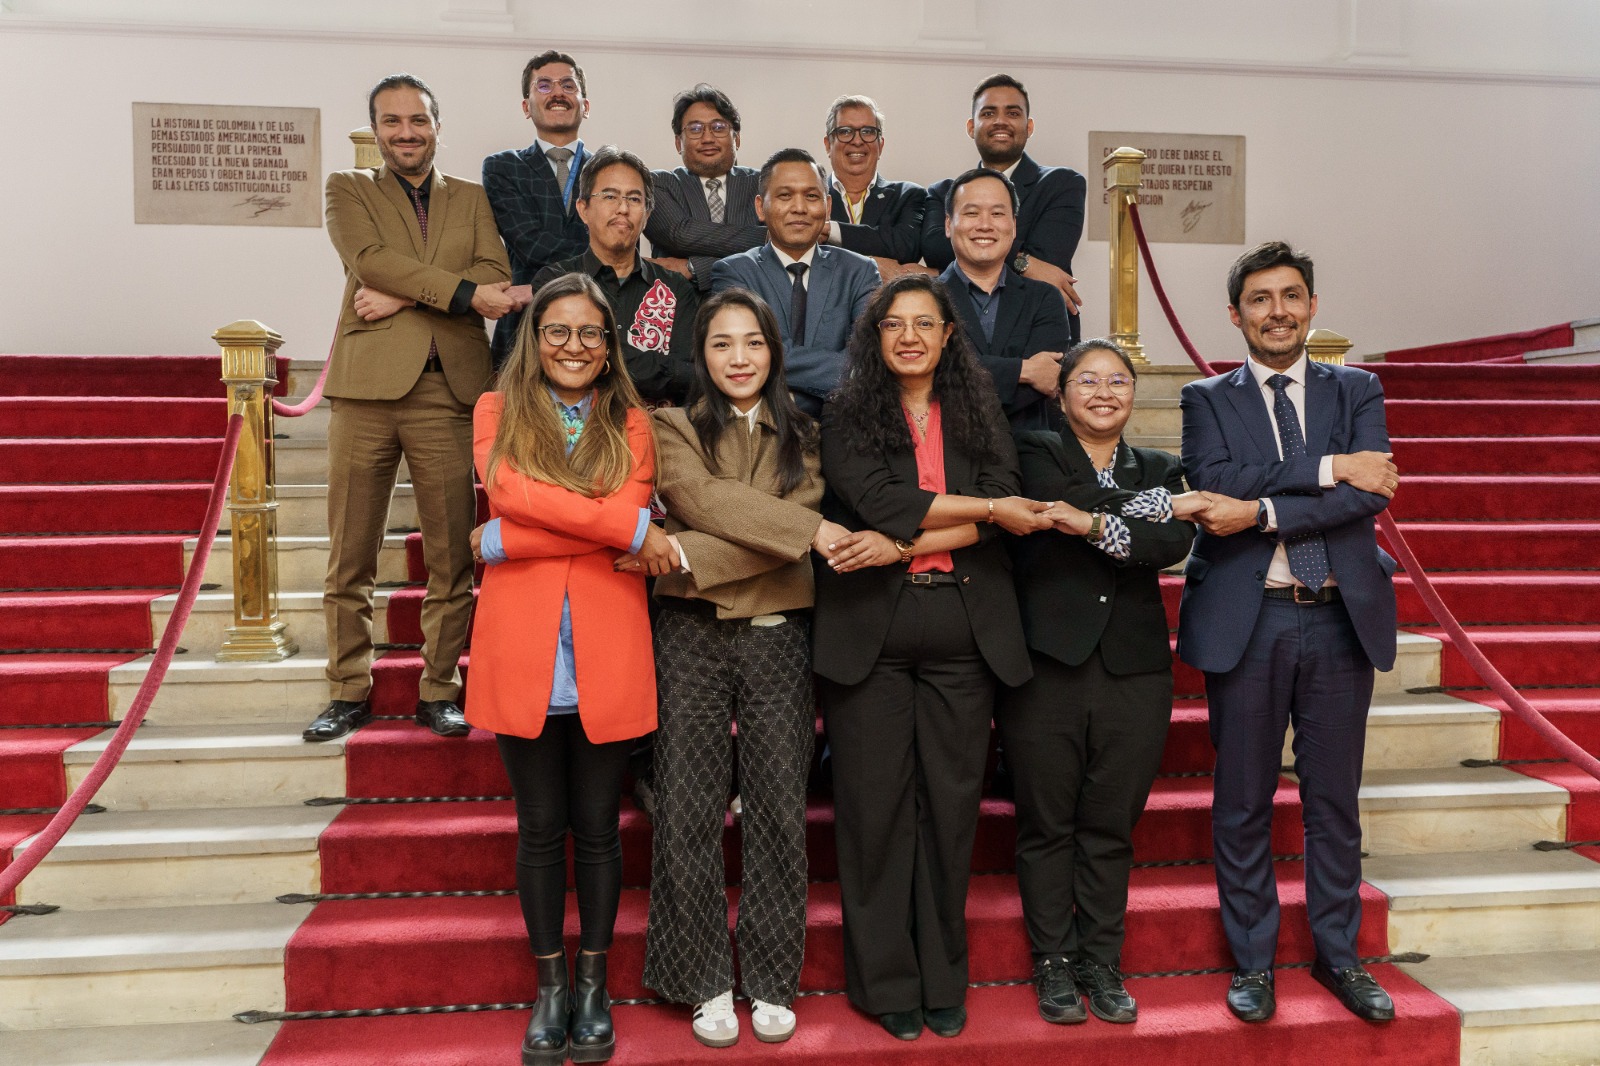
(1278, 574)
(833, 233)
(787, 261)
(749, 416)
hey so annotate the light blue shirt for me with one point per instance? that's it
(564, 683)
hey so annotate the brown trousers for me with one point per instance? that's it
(366, 439)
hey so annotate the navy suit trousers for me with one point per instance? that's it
(1304, 665)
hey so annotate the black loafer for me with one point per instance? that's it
(1251, 997)
(1059, 1002)
(945, 1021)
(1101, 984)
(1357, 990)
(902, 1024)
(338, 719)
(443, 717)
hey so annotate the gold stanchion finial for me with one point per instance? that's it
(250, 370)
(1326, 346)
(1123, 176)
(366, 148)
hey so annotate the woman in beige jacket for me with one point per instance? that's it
(738, 474)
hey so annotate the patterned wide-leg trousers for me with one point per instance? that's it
(711, 674)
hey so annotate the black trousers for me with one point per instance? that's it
(561, 782)
(1083, 746)
(712, 673)
(909, 745)
(1303, 665)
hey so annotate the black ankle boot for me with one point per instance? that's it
(546, 1042)
(592, 1036)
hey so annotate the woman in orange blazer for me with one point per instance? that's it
(562, 670)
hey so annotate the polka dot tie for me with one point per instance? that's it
(1308, 554)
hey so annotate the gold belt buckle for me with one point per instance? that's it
(925, 578)
(1310, 599)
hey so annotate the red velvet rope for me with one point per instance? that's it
(12, 875)
(1563, 744)
(284, 410)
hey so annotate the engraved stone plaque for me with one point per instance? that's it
(1193, 189)
(216, 165)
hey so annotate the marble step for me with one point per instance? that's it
(1416, 665)
(1454, 809)
(1412, 730)
(1155, 418)
(1537, 1008)
(145, 965)
(1163, 381)
(304, 460)
(300, 611)
(303, 510)
(1472, 903)
(192, 1044)
(236, 765)
(200, 691)
(313, 425)
(186, 857)
(302, 561)
(303, 374)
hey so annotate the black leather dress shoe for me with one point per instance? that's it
(1102, 986)
(1251, 997)
(1059, 1002)
(1357, 990)
(945, 1021)
(443, 717)
(340, 717)
(902, 1024)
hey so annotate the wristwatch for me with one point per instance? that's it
(1021, 263)
(1096, 522)
(1261, 515)
(905, 549)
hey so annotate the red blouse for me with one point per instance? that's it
(930, 476)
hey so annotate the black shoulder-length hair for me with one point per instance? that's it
(866, 407)
(796, 432)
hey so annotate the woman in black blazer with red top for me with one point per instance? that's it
(1083, 737)
(915, 619)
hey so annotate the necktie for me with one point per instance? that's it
(560, 158)
(422, 223)
(714, 198)
(1308, 553)
(797, 303)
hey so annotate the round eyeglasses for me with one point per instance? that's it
(556, 335)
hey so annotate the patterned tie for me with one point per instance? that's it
(422, 223)
(560, 158)
(797, 303)
(714, 199)
(1308, 553)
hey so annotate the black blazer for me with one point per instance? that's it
(891, 221)
(1032, 318)
(1074, 596)
(880, 492)
(1049, 221)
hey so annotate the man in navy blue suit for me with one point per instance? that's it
(1288, 606)
(534, 190)
(816, 291)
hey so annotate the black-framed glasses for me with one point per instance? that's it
(922, 324)
(546, 86)
(1089, 384)
(867, 134)
(717, 128)
(556, 335)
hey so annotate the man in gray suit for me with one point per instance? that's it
(816, 291)
(704, 209)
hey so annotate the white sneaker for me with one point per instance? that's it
(715, 1024)
(773, 1024)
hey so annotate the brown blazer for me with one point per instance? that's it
(373, 226)
(748, 548)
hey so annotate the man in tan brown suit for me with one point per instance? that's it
(424, 267)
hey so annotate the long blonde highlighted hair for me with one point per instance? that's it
(531, 437)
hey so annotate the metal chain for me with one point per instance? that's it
(93, 808)
(1478, 764)
(1564, 845)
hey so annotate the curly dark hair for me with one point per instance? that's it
(866, 408)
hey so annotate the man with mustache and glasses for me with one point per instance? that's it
(534, 190)
(1050, 199)
(423, 269)
(878, 218)
(705, 209)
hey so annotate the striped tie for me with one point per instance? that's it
(714, 198)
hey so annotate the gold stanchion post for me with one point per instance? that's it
(366, 146)
(1326, 346)
(1123, 176)
(249, 368)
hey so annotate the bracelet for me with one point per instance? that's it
(991, 512)
(1096, 521)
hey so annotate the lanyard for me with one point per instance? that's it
(572, 178)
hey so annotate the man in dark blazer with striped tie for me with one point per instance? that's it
(1288, 606)
(534, 190)
(816, 292)
(704, 209)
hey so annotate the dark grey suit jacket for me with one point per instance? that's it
(680, 225)
(891, 221)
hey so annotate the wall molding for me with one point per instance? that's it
(461, 36)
